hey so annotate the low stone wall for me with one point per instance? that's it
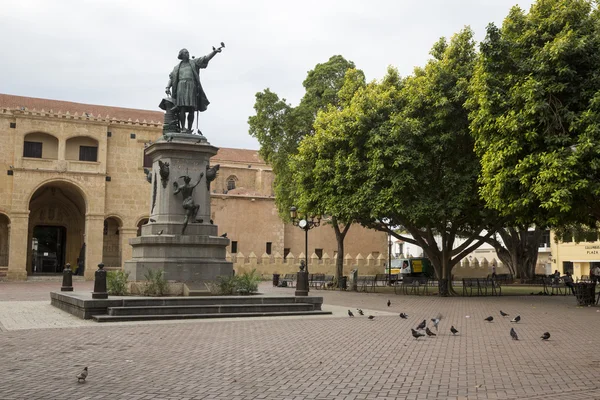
(266, 265)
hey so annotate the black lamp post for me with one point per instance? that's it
(389, 259)
(305, 224)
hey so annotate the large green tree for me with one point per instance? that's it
(402, 154)
(536, 113)
(280, 128)
(327, 168)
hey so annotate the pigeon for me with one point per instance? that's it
(516, 319)
(503, 314)
(422, 325)
(224, 235)
(360, 311)
(403, 316)
(453, 330)
(152, 220)
(81, 377)
(416, 334)
(513, 334)
(429, 333)
(389, 303)
(371, 317)
(436, 321)
(159, 232)
(545, 336)
(350, 314)
(489, 319)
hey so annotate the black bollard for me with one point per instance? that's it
(67, 284)
(301, 281)
(100, 284)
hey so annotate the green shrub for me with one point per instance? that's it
(116, 282)
(226, 285)
(247, 283)
(156, 284)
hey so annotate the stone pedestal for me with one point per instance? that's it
(197, 255)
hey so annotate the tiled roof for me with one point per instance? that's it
(238, 155)
(122, 114)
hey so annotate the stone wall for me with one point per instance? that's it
(275, 264)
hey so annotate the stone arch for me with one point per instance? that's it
(141, 221)
(81, 148)
(111, 243)
(60, 181)
(4, 239)
(231, 182)
(40, 145)
(56, 229)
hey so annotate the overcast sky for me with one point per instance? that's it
(120, 53)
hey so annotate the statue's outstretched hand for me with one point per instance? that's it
(168, 92)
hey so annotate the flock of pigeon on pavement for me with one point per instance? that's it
(415, 332)
(436, 321)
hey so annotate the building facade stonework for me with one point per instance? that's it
(73, 190)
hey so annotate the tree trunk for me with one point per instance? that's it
(340, 235)
(519, 251)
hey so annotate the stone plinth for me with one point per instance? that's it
(198, 254)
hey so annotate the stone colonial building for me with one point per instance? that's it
(74, 190)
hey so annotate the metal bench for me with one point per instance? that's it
(316, 280)
(364, 282)
(289, 280)
(413, 285)
(557, 286)
(385, 279)
(481, 286)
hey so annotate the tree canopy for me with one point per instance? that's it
(535, 118)
(280, 127)
(280, 130)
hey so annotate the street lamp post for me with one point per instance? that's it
(305, 224)
(390, 260)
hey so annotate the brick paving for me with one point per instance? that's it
(314, 358)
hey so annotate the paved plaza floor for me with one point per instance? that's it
(328, 357)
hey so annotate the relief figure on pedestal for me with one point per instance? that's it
(187, 190)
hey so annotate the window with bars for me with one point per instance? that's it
(88, 153)
(230, 184)
(32, 149)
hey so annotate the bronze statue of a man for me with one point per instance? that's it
(184, 82)
(187, 190)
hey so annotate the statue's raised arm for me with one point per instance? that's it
(185, 87)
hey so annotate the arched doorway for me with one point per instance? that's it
(56, 228)
(111, 244)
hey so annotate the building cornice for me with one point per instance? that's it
(85, 118)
